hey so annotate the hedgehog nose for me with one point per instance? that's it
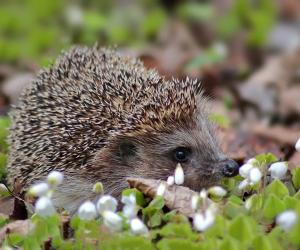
(230, 168)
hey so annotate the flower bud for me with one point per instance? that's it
(107, 203)
(55, 178)
(44, 207)
(203, 194)
(39, 189)
(161, 189)
(130, 211)
(195, 202)
(252, 161)
(244, 170)
(138, 227)
(87, 211)
(297, 145)
(128, 199)
(112, 220)
(255, 175)
(248, 204)
(287, 219)
(170, 181)
(202, 221)
(179, 175)
(217, 191)
(243, 184)
(98, 188)
(278, 170)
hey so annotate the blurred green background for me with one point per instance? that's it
(39, 29)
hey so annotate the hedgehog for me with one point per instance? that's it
(96, 115)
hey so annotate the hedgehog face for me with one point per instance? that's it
(156, 156)
(197, 151)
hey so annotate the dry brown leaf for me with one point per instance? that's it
(175, 197)
(21, 227)
(240, 144)
(280, 134)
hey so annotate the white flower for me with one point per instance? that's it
(112, 220)
(128, 199)
(39, 189)
(203, 194)
(278, 169)
(217, 191)
(221, 49)
(130, 211)
(55, 178)
(243, 184)
(297, 145)
(203, 221)
(161, 189)
(130, 208)
(74, 15)
(3, 188)
(244, 170)
(252, 161)
(287, 219)
(138, 227)
(195, 202)
(44, 207)
(179, 175)
(254, 176)
(248, 203)
(171, 181)
(98, 188)
(87, 211)
(107, 203)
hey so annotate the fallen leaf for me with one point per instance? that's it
(175, 197)
(21, 227)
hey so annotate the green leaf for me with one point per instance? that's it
(231, 210)
(242, 229)
(262, 242)
(140, 199)
(291, 202)
(256, 202)
(157, 203)
(181, 230)
(294, 233)
(221, 120)
(296, 177)
(178, 244)
(273, 206)
(127, 242)
(277, 188)
(229, 243)
(219, 228)
(266, 158)
(235, 200)
(155, 219)
(196, 11)
(169, 216)
(297, 195)
(207, 57)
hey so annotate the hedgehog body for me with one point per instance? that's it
(99, 116)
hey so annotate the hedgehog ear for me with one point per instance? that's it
(127, 149)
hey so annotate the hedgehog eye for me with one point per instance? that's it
(181, 154)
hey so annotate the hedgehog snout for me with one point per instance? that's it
(229, 167)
